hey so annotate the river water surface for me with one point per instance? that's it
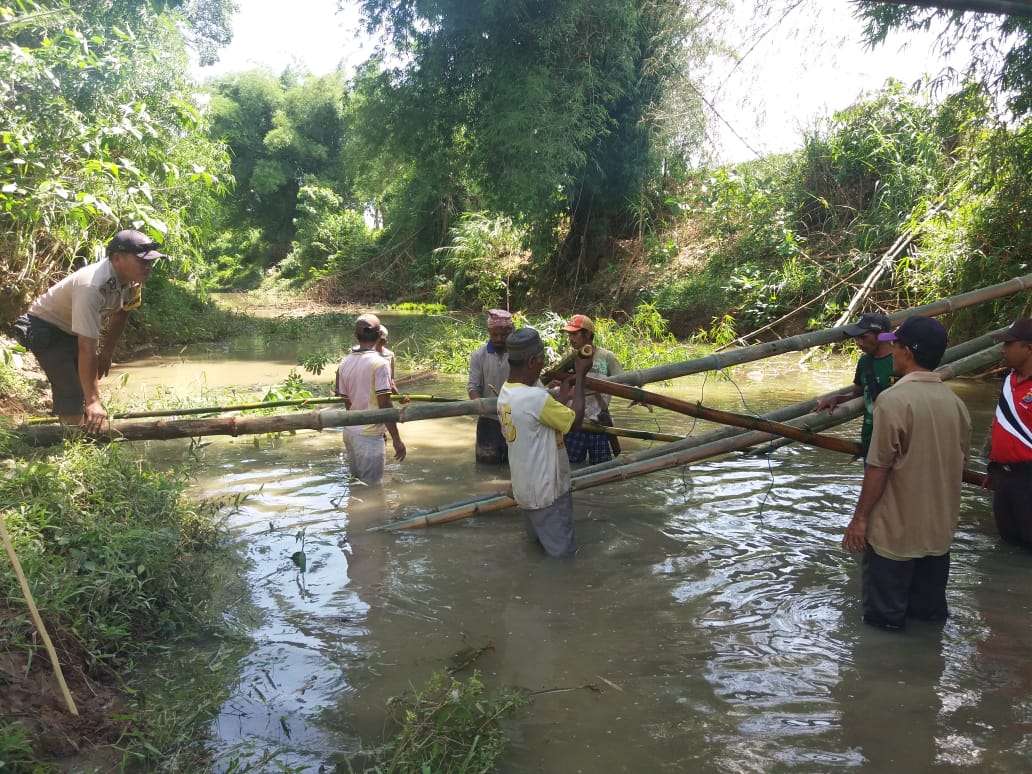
(710, 621)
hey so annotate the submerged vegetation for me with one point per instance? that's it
(447, 726)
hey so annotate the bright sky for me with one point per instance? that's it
(810, 66)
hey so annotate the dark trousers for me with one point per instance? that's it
(491, 446)
(896, 590)
(1012, 501)
(57, 353)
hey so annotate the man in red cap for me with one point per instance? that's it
(1010, 442)
(64, 326)
(581, 444)
(488, 371)
(909, 503)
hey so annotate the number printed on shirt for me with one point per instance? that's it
(507, 426)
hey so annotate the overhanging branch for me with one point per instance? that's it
(1005, 7)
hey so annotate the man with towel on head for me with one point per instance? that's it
(488, 371)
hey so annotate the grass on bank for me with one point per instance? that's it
(119, 562)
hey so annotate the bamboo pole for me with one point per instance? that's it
(499, 500)
(55, 663)
(639, 395)
(883, 265)
(162, 430)
(626, 432)
(961, 359)
(256, 405)
(718, 361)
(618, 470)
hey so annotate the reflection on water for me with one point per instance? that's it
(710, 621)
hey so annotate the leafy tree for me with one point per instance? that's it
(284, 133)
(545, 112)
(1000, 45)
(100, 131)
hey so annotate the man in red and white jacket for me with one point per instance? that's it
(1010, 444)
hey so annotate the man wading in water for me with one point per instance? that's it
(874, 371)
(534, 422)
(364, 381)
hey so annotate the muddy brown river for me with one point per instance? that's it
(710, 621)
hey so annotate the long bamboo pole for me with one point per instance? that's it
(639, 395)
(502, 500)
(256, 405)
(717, 361)
(985, 347)
(48, 435)
(808, 437)
(55, 663)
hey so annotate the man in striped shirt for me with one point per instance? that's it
(1010, 443)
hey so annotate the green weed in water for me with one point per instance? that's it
(446, 727)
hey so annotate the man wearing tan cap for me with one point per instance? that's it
(581, 444)
(364, 381)
(1010, 442)
(488, 371)
(64, 327)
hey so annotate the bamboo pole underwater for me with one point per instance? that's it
(55, 663)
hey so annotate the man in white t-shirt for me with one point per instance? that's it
(364, 381)
(64, 326)
(533, 423)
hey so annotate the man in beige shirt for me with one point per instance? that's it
(909, 503)
(73, 328)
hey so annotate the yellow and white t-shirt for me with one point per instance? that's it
(533, 423)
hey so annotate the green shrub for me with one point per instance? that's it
(116, 556)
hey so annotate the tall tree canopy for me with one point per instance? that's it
(283, 132)
(546, 111)
(99, 130)
(1001, 44)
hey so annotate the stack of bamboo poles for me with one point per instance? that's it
(800, 424)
